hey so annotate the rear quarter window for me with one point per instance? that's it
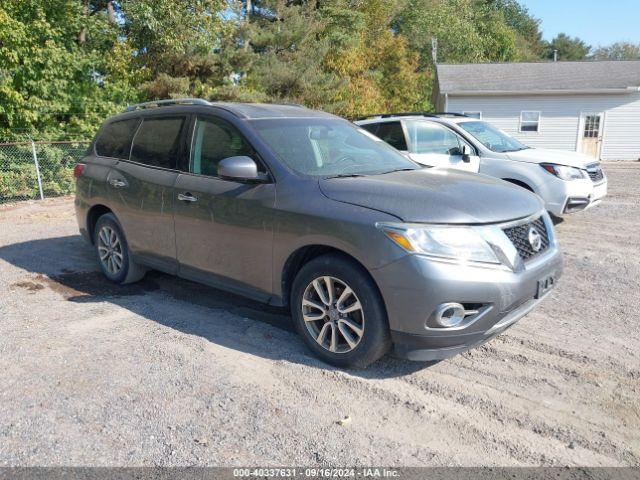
(114, 139)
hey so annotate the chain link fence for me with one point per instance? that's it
(38, 170)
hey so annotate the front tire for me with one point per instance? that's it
(113, 252)
(338, 311)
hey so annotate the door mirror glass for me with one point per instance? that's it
(466, 153)
(240, 168)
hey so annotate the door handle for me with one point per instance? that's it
(117, 183)
(187, 197)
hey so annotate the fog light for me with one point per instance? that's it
(449, 314)
(452, 314)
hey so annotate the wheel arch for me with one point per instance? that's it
(305, 254)
(520, 183)
(94, 213)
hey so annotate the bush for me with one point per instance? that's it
(18, 180)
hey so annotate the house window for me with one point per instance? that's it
(529, 121)
(477, 115)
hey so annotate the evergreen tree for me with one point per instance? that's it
(568, 48)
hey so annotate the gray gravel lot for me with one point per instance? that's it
(167, 372)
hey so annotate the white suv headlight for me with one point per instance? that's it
(450, 242)
(563, 172)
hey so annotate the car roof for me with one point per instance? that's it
(437, 118)
(247, 111)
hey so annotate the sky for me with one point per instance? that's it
(597, 22)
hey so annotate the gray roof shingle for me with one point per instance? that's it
(541, 76)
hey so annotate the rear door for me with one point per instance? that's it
(435, 145)
(224, 228)
(142, 189)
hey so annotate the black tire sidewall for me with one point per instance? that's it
(110, 220)
(376, 340)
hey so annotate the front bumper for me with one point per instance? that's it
(414, 286)
(564, 197)
(422, 348)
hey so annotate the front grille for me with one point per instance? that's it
(519, 236)
(595, 173)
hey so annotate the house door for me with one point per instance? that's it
(591, 134)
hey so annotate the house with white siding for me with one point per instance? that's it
(591, 107)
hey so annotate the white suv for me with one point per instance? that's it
(567, 181)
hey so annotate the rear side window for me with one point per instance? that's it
(115, 138)
(390, 132)
(214, 140)
(157, 142)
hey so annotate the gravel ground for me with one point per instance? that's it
(167, 372)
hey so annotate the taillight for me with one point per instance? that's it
(78, 169)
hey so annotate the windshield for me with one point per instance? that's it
(324, 147)
(491, 137)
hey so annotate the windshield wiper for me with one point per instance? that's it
(345, 175)
(398, 170)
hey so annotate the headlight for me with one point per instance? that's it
(563, 172)
(456, 243)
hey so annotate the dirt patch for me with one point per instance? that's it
(28, 285)
(83, 286)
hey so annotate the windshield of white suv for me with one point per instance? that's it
(328, 148)
(491, 137)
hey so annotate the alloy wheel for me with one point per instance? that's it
(110, 250)
(333, 314)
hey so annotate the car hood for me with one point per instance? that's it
(560, 157)
(435, 196)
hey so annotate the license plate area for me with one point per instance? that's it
(545, 285)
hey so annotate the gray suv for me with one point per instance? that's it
(301, 209)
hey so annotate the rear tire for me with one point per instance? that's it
(113, 252)
(338, 311)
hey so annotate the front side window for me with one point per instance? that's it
(324, 147)
(157, 142)
(491, 137)
(529, 121)
(114, 140)
(390, 132)
(430, 137)
(214, 140)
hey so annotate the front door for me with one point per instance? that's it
(435, 145)
(591, 134)
(141, 190)
(224, 229)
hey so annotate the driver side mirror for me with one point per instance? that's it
(466, 153)
(241, 169)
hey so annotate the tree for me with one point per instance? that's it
(568, 48)
(175, 41)
(378, 71)
(529, 42)
(50, 83)
(618, 51)
(467, 31)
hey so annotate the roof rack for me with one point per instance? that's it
(450, 114)
(166, 103)
(411, 114)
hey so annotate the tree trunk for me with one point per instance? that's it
(82, 36)
(111, 12)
